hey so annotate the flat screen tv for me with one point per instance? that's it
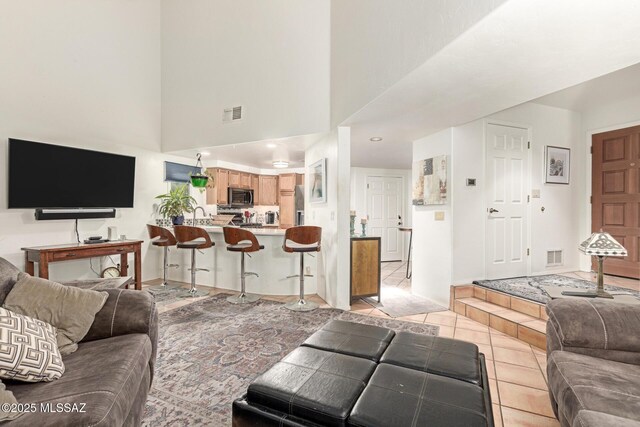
(51, 176)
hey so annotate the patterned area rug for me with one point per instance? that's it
(210, 351)
(532, 288)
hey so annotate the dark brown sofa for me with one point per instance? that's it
(593, 362)
(110, 373)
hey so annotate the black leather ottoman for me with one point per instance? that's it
(442, 356)
(349, 374)
(314, 385)
(402, 397)
(354, 339)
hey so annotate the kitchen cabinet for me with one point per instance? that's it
(287, 182)
(255, 186)
(245, 180)
(268, 190)
(287, 199)
(365, 267)
(234, 179)
(218, 194)
(287, 209)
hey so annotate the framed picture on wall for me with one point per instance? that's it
(557, 165)
(318, 181)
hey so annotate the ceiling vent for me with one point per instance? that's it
(554, 258)
(232, 114)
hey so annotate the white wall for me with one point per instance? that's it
(333, 216)
(81, 72)
(555, 228)
(432, 240)
(370, 50)
(453, 250)
(359, 195)
(84, 74)
(270, 57)
(618, 114)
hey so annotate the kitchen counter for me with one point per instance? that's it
(258, 231)
(272, 264)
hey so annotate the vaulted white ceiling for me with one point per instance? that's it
(521, 51)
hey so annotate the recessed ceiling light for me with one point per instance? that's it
(280, 164)
(271, 145)
(375, 139)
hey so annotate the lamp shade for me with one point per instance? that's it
(602, 244)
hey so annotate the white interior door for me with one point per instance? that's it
(507, 172)
(384, 207)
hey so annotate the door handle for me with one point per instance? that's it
(491, 210)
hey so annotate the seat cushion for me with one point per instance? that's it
(580, 382)
(443, 356)
(599, 419)
(397, 396)
(354, 339)
(105, 374)
(312, 384)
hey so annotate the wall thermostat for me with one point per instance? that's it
(471, 182)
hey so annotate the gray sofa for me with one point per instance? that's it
(111, 372)
(593, 362)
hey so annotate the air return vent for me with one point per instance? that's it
(232, 114)
(554, 257)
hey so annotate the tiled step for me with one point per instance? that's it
(510, 315)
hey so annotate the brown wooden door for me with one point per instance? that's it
(616, 195)
(255, 186)
(268, 190)
(234, 179)
(221, 186)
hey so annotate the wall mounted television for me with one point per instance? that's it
(47, 176)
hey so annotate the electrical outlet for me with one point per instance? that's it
(307, 270)
(439, 216)
(535, 194)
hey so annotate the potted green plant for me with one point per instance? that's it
(175, 203)
(201, 178)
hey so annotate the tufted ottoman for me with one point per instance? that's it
(350, 374)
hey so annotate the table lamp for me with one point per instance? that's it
(600, 245)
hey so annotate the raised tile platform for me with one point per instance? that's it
(517, 317)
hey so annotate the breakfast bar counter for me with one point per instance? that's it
(272, 265)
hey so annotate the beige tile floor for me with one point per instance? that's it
(517, 371)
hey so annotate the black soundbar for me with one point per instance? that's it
(50, 214)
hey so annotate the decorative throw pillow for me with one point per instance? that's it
(7, 398)
(70, 310)
(28, 349)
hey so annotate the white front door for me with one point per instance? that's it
(507, 172)
(384, 208)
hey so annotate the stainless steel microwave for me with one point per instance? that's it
(240, 197)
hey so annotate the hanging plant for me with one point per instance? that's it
(200, 179)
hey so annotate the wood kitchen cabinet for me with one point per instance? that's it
(287, 199)
(245, 180)
(255, 186)
(268, 190)
(234, 179)
(218, 194)
(365, 267)
(287, 209)
(287, 182)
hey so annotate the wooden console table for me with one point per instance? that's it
(366, 271)
(44, 255)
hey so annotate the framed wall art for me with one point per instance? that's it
(430, 181)
(557, 165)
(318, 181)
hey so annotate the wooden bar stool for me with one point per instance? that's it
(163, 238)
(243, 241)
(302, 239)
(193, 238)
